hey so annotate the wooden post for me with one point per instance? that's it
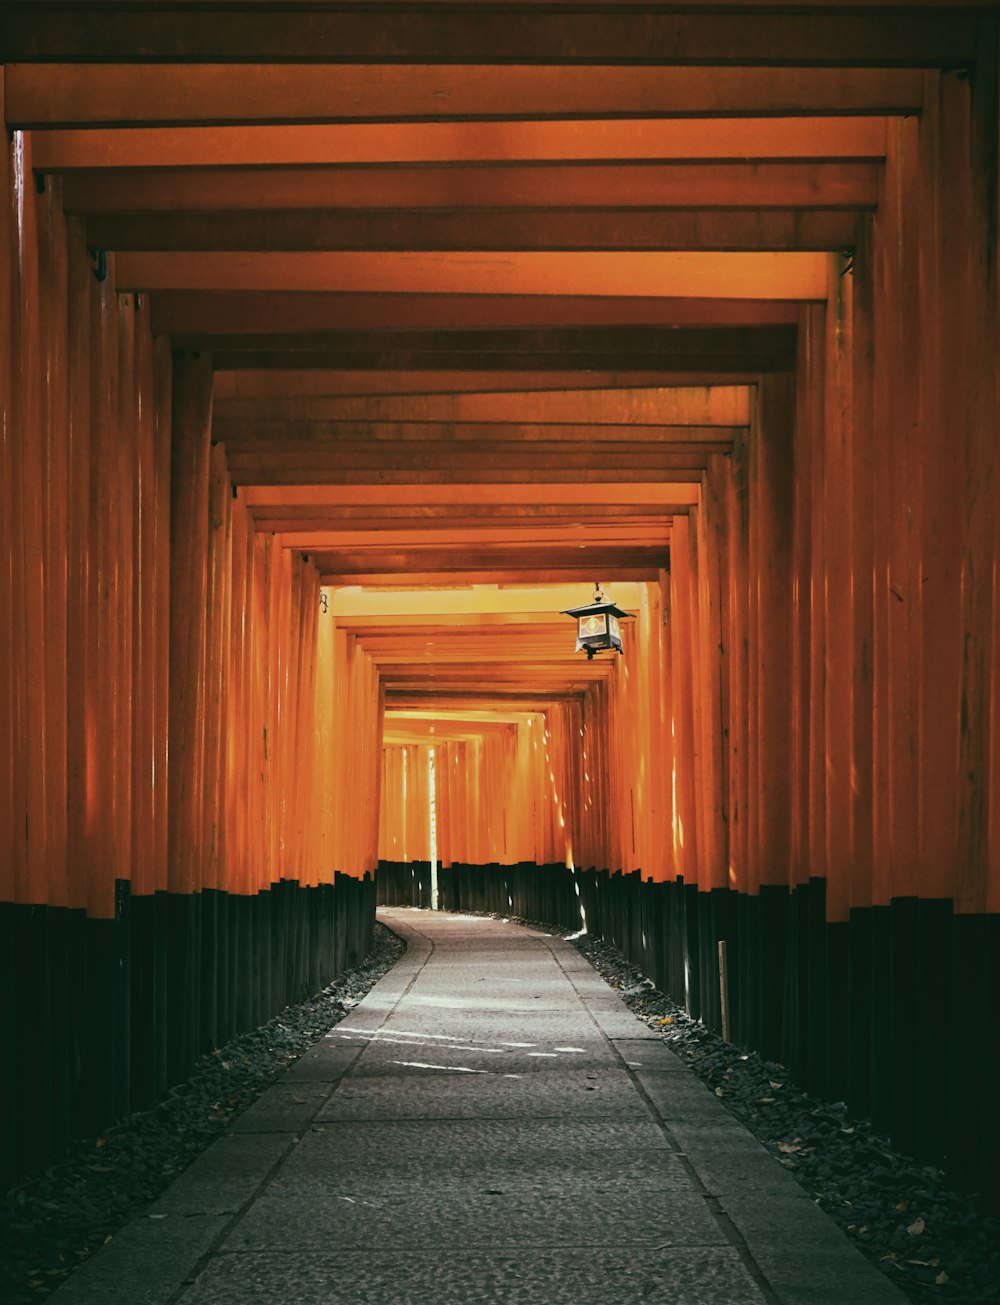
(724, 989)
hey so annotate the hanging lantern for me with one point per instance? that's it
(597, 625)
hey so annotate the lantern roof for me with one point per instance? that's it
(599, 603)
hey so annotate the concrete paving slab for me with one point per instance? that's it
(626, 1175)
(286, 1107)
(803, 1275)
(582, 1274)
(429, 1089)
(324, 1062)
(491, 1124)
(386, 1048)
(437, 1142)
(456, 1211)
(651, 1055)
(146, 1263)
(225, 1176)
(682, 1098)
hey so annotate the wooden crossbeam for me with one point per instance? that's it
(276, 392)
(487, 603)
(505, 142)
(294, 521)
(715, 405)
(666, 495)
(171, 93)
(537, 536)
(537, 575)
(452, 459)
(725, 275)
(267, 472)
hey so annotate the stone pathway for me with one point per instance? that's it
(491, 1124)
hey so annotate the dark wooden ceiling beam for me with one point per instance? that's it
(564, 228)
(239, 432)
(720, 350)
(476, 188)
(351, 394)
(695, 368)
(612, 340)
(497, 558)
(518, 700)
(642, 35)
(540, 575)
(201, 314)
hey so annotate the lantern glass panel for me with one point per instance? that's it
(593, 625)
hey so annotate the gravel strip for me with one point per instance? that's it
(50, 1222)
(935, 1244)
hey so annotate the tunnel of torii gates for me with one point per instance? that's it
(341, 348)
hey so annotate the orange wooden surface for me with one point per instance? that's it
(125, 92)
(822, 699)
(11, 845)
(458, 142)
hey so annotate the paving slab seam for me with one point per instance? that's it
(233, 1224)
(725, 1224)
(229, 1227)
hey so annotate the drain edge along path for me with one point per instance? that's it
(490, 1124)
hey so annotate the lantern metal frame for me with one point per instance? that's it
(597, 624)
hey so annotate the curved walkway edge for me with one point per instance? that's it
(490, 1124)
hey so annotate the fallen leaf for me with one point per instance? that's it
(916, 1227)
(101, 1141)
(718, 1092)
(902, 1205)
(941, 1279)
